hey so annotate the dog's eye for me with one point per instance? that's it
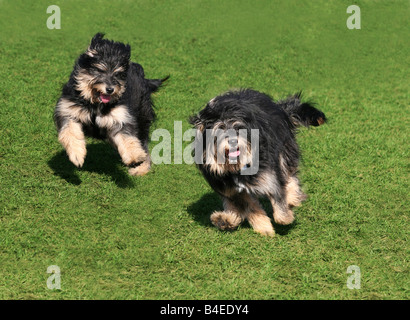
(99, 70)
(122, 75)
(99, 67)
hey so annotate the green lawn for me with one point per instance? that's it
(120, 237)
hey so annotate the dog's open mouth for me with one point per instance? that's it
(104, 98)
(232, 155)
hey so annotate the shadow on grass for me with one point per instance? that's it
(210, 202)
(101, 158)
(203, 208)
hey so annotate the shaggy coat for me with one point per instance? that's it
(107, 97)
(275, 157)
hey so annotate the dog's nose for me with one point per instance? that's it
(233, 141)
(109, 90)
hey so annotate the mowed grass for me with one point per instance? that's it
(120, 237)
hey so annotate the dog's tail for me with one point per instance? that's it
(302, 114)
(155, 84)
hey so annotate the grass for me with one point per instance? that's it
(120, 237)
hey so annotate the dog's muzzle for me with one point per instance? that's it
(233, 145)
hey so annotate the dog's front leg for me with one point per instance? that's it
(240, 207)
(255, 214)
(132, 153)
(282, 214)
(71, 136)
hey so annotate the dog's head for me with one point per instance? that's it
(225, 137)
(101, 71)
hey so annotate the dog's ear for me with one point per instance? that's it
(92, 49)
(127, 52)
(97, 38)
(197, 122)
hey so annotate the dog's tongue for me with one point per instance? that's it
(105, 98)
(234, 154)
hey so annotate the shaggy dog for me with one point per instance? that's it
(107, 97)
(248, 150)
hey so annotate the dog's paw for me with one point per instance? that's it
(266, 230)
(130, 149)
(225, 220)
(140, 169)
(134, 158)
(295, 200)
(284, 217)
(77, 155)
(71, 138)
(262, 224)
(77, 160)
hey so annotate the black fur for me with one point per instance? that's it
(105, 67)
(278, 152)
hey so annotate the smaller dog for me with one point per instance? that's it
(107, 97)
(226, 157)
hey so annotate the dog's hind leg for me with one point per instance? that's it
(71, 136)
(294, 195)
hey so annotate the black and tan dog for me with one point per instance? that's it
(275, 155)
(107, 97)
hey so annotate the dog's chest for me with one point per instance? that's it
(240, 185)
(116, 118)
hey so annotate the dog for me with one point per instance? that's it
(224, 158)
(107, 97)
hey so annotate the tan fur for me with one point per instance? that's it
(294, 195)
(129, 148)
(91, 52)
(72, 138)
(99, 87)
(101, 66)
(247, 207)
(200, 129)
(115, 119)
(282, 164)
(220, 167)
(225, 220)
(261, 223)
(211, 102)
(89, 90)
(266, 184)
(85, 83)
(118, 69)
(257, 217)
(320, 121)
(142, 169)
(119, 90)
(68, 109)
(281, 215)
